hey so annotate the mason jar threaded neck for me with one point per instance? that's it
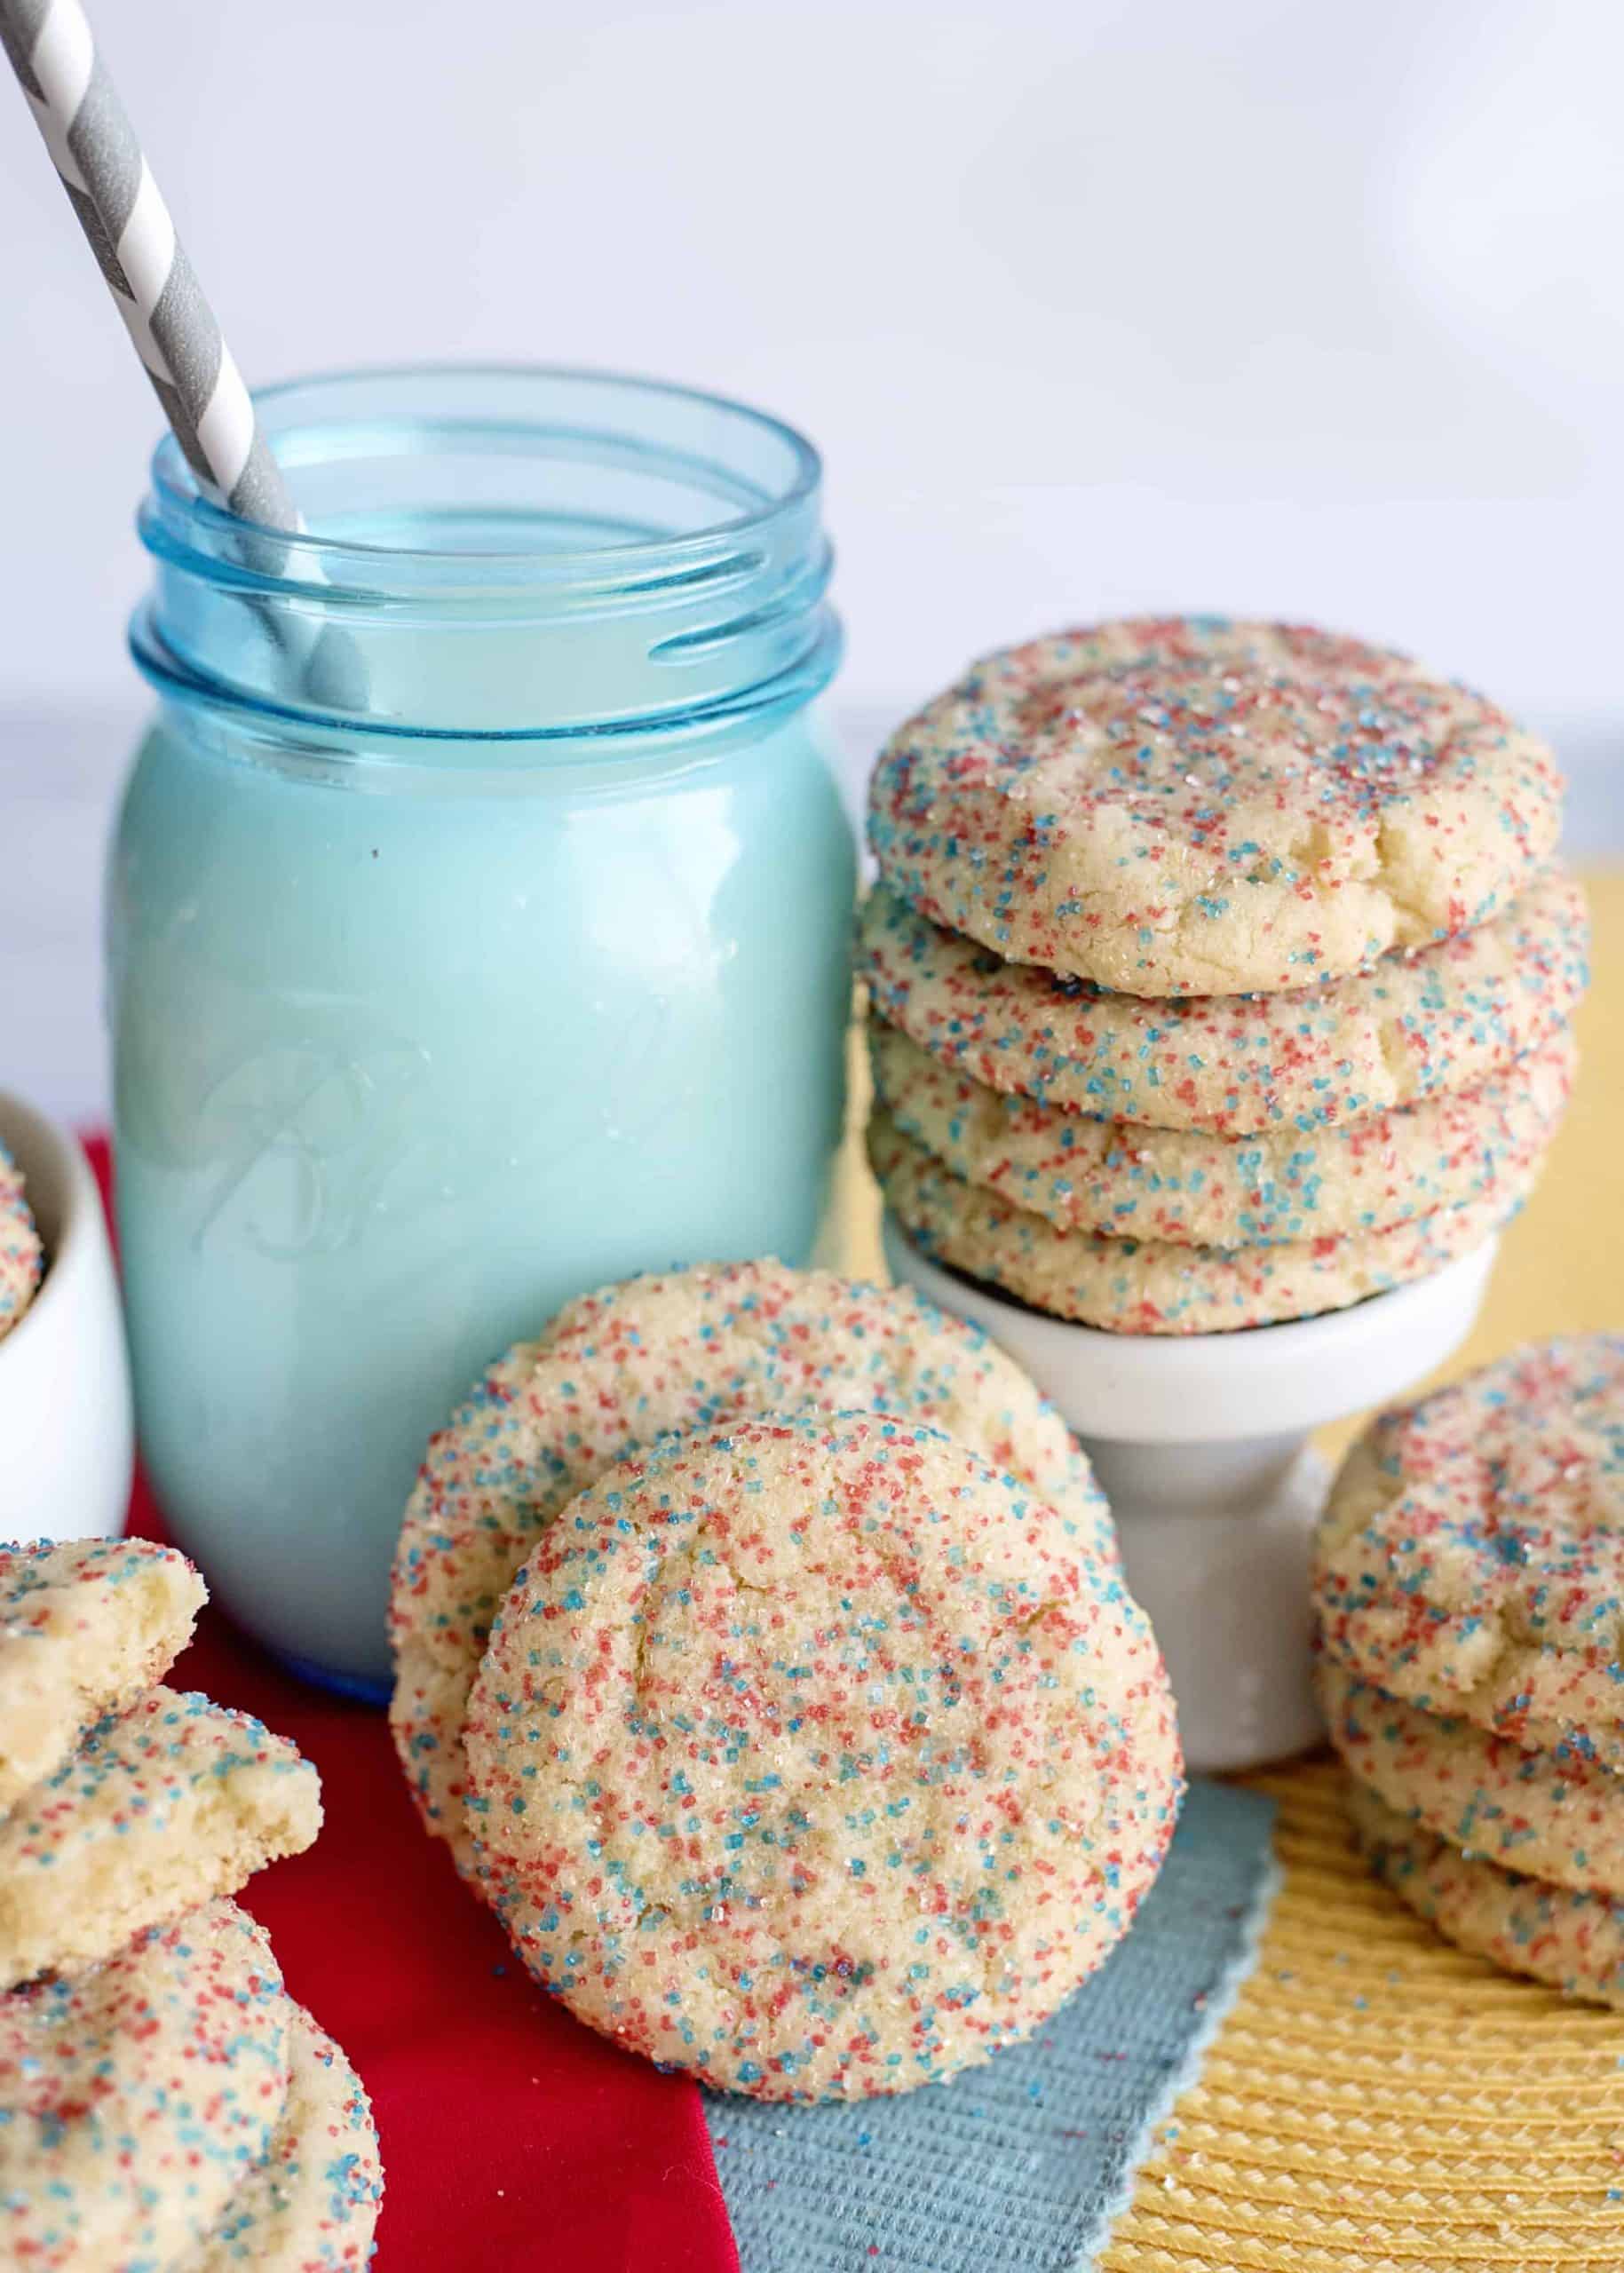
(522, 554)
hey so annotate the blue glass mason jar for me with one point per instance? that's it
(478, 932)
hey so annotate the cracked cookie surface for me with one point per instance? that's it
(811, 1757)
(1470, 1556)
(619, 1368)
(1192, 805)
(1421, 1024)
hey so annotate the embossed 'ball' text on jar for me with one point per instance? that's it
(478, 932)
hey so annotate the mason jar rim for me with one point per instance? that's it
(310, 555)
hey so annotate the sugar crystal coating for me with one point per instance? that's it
(85, 1627)
(1571, 1941)
(815, 1758)
(1131, 1286)
(135, 2099)
(1190, 806)
(1547, 1815)
(1470, 1557)
(159, 1809)
(1426, 1023)
(619, 1368)
(1195, 1189)
(312, 2205)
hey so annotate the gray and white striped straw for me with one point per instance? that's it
(111, 189)
(94, 149)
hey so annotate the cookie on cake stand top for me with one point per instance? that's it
(1221, 977)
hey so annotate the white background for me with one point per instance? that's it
(1309, 308)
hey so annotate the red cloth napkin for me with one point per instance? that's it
(514, 2140)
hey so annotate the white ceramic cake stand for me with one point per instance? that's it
(1201, 1444)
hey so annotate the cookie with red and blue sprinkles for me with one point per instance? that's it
(86, 1629)
(158, 1809)
(137, 2098)
(312, 2205)
(1571, 1941)
(21, 1256)
(621, 1368)
(814, 1758)
(1133, 1286)
(1194, 1189)
(1545, 1814)
(1192, 805)
(1424, 1023)
(1470, 1556)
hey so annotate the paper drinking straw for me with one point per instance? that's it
(154, 288)
(155, 291)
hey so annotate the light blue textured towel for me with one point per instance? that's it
(1019, 2166)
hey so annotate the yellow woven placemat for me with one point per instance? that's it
(1375, 2102)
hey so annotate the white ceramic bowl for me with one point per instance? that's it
(67, 1440)
(1201, 1444)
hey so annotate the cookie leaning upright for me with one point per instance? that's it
(815, 1758)
(617, 1369)
(1196, 806)
(84, 1629)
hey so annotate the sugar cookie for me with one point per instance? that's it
(311, 2206)
(160, 1808)
(1192, 1189)
(1571, 1942)
(618, 1369)
(1470, 1557)
(21, 1258)
(84, 1629)
(1543, 1815)
(814, 1758)
(1420, 1024)
(135, 2099)
(1196, 806)
(1149, 1286)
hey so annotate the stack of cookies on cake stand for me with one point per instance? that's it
(163, 2102)
(1469, 1587)
(1220, 978)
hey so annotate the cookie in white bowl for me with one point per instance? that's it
(23, 1261)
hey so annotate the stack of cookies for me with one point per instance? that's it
(1469, 1589)
(164, 2104)
(1220, 972)
(21, 1260)
(764, 1657)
